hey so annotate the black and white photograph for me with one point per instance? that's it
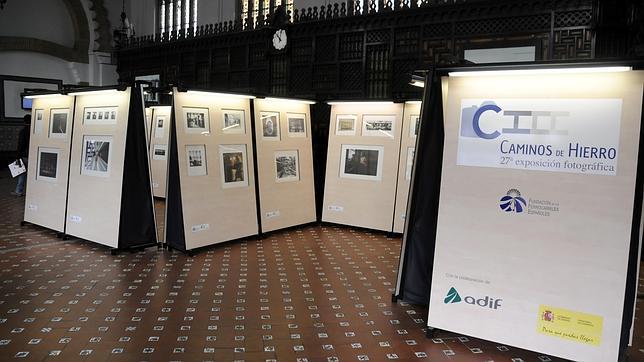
(100, 115)
(296, 124)
(159, 152)
(346, 125)
(270, 126)
(361, 162)
(58, 123)
(96, 156)
(47, 164)
(410, 162)
(413, 126)
(234, 122)
(159, 130)
(196, 157)
(378, 126)
(287, 166)
(233, 166)
(197, 120)
(39, 121)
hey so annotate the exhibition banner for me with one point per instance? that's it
(535, 210)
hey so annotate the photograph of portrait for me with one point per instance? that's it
(96, 156)
(196, 157)
(159, 152)
(345, 125)
(287, 166)
(296, 124)
(361, 162)
(378, 126)
(197, 120)
(47, 164)
(233, 122)
(39, 121)
(410, 162)
(58, 123)
(159, 130)
(100, 115)
(234, 172)
(270, 126)
(413, 126)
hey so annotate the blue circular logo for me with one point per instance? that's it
(513, 202)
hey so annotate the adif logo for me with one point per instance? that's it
(485, 302)
(513, 201)
(471, 118)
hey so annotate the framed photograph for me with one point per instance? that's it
(197, 120)
(58, 123)
(296, 124)
(413, 125)
(47, 164)
(196, 157)
(361, 162)
(100, 115)
(234, 172)
(233, 121)
(159, 152)
(287, 167)
(39, 121)
(410, 162)
(345, 125)
(270, 126)
(378, 126)
(97, 154)
(159, 126)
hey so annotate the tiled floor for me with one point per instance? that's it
(317, 293)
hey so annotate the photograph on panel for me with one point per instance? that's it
(58, 123)
(378, 126)
(196, 157)
(287, 166)
(345, 125)
(234, 122)
(159, 129)
(296, 124)
(96, 156)
(410, 162)
(47, 164)
(159, 152)
(270, 126)
(413, 127)
(38, 121)
(233, 163)
(99, 115)
(362, 162)
(197, 120)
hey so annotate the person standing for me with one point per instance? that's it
(22, 153)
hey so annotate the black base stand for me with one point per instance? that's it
(431, 332)
(394, 298)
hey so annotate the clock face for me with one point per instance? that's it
(279, 39)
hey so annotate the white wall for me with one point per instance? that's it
(46, 20)
(142, 13)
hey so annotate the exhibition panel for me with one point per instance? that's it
(211, 185)
(410, 127)
(48, 166)
(362, 164)
(284, 163)
(159, 135)
(148, 123)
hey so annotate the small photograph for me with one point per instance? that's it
(361, 162)
(96, 156)
(233, 121)
(378, 126)
(100, 115)
(287, 166)
(39, 121)
(159, 152)
(47, 164)
(346, 125)
(197, 120)
(410, 162)
(159, 131)
(196, 160)
(270, 126)
(233, 166)
(413, 126)
(58, 123)
(296, 124)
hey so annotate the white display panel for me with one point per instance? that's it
(159, 136)
(410, 128)
(517, 247)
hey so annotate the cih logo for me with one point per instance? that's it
(453, 297)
